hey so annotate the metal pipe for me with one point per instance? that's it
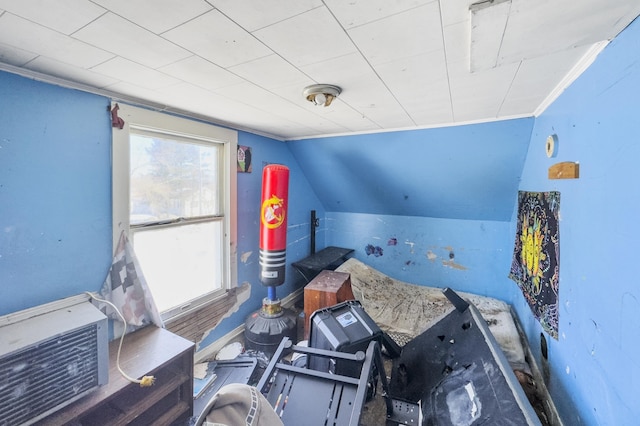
(314, 224)
(271, 292)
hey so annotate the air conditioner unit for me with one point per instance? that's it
(50, 356)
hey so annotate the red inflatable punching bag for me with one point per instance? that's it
(273, 224)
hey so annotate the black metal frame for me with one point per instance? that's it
(300, 393)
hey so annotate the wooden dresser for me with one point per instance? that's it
(149, 351)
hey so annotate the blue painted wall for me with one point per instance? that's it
(466, 255)
(464, 172)
(594, 365)
(55, 192)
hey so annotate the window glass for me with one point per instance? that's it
(172, 179)
(172, 183)
(180, 263)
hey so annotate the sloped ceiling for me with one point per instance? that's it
(469, 172)
(402, 64)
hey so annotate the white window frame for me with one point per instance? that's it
(140, 118)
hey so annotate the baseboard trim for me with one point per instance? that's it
(209, 352)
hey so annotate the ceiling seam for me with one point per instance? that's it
(506, 95)
(375, 72)
(446, 62)
(273, 52)
(504, 31)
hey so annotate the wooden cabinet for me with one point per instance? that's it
(328, 288)
(149, 351)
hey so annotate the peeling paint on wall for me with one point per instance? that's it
(393, 241)
(242, 295)
(431, 255)
(244, 257)
(410, 244)
(454, 265)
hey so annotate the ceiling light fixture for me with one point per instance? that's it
(321, 94)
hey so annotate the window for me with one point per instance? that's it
(173, 193)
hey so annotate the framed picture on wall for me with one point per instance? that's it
(244, 159)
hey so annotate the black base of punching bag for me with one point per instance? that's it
(264, 329)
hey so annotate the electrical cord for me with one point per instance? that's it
(145, 380)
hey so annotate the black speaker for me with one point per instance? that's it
(344, 327)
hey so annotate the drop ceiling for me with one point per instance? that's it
(401, 64)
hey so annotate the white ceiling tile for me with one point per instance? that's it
(63, 16)
(399, 36)
(430, 115)
(128, 90)
(479, 95)
(456, 42)
(67, 72)
(368, 95)
(157, 15)
(259, 14)
(225, 111)
(337, 117)
(270, 72)
(455, 11)
(540, 27)
(115, 34)
(14, 56)
(351, 120)
(311, 37)
(218, 39)
(387, 115)
(488, 23)
(339, 71)
(134, 73)
(293, 91)
(35, 38)
(219, 108)
(289, 108)
(538, 77)
(358, 12)
(420, 83)
(339, 113)
(187, 96)
(415, 76)
(196, 57)
(252, 94)
(201, 72)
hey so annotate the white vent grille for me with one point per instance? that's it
(49, 361)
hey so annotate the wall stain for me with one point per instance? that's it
(373, 250)
(431, 255)
(393, 241)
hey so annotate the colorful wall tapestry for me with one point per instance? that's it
(535, 266)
